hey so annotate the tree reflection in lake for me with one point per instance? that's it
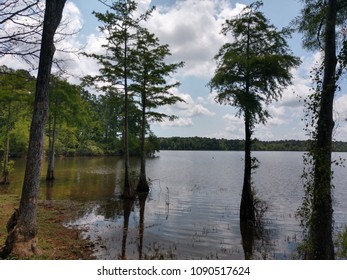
(49, 191)
(142, 202)
(127, 207)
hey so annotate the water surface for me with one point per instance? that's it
(192, 210)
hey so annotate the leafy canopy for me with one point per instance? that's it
(150, 74)
(253, 70)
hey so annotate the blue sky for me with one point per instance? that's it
(192, 29)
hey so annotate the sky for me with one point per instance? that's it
(192, 30)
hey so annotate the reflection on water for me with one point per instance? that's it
(142, 202)
(127, 206)
(192, 210)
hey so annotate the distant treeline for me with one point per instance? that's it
(213, 144)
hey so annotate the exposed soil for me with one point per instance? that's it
(56, 241)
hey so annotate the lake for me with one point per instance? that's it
(192, 210)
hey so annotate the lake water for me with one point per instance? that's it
(192, 210)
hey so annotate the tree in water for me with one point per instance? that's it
(252, 71)
(149, 75)
(22, 227)
(121, 24)
(319, 22)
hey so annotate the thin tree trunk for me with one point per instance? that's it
(51, 153)
(5, 171)
(142, 186)
(128, 193)
(247, 205)
(321, 223)
(247, 214)
(22, 239)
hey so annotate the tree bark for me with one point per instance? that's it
(321, 223)
(247, 213)
(22, 237)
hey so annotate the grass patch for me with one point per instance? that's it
(56, 242)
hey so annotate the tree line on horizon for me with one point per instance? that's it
(215, 144)
(253, 69)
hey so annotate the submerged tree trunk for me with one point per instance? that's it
(247, 235)
(142, 186)
(22, 227)
(247, 213)
(321, 222)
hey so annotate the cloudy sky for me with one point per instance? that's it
(192, 29)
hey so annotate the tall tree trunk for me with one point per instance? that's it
(51, 153)
(247, 213)
(22, 227)
(142, 186)
(321, 223)
(128, 192)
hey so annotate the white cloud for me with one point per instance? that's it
(192, 29)
(185, 111)
(180, 122)
(340, 117)
(189, 108)
(234, 127)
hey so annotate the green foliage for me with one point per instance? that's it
(16, 88)
(69, 112)
(149, 76)
(152, 145)
(90, 148)
(20, 138)
(312, 108)
(10, 166)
